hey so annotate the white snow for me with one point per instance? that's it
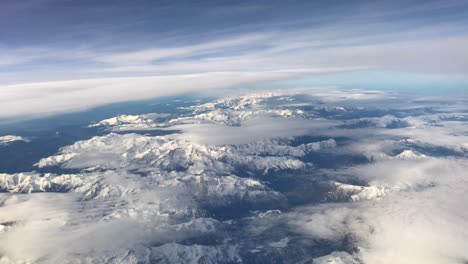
(409, 154)
(355, 193)
(157, 191)
(130, 122)
(280, 244)
(4, 140)
(336, 257)
(134, 151)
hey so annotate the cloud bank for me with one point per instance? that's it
(424, 225)
(42, 99)
(251, 130)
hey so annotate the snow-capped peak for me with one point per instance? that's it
(410, 154)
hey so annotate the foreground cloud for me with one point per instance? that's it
(422, 224)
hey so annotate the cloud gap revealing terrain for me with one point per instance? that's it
(260, 131)
(304, 176)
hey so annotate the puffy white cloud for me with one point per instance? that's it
(57, 225)
(417, 225)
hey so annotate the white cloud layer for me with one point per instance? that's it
(47, 98)
(254, 129)
(422, 224)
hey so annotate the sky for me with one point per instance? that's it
(74, 53)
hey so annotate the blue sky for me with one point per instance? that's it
(51, 46)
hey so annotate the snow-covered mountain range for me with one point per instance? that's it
(216, 186)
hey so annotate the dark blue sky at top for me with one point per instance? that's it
(140, 23)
